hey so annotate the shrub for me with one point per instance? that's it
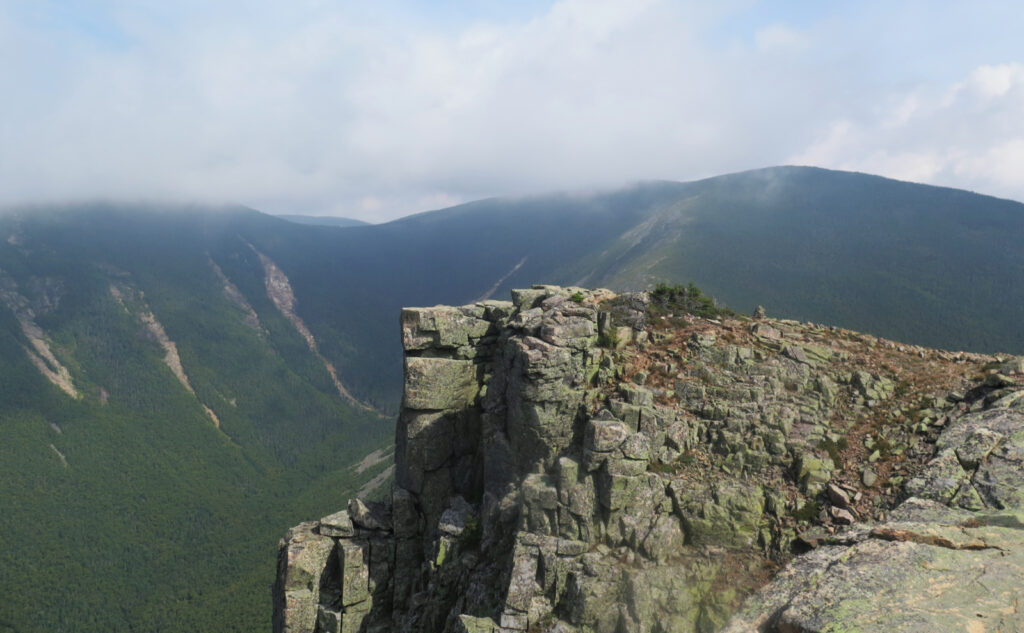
(689, 299)
(609, 338)
(834, 448)
(808, 512)
(473, 532)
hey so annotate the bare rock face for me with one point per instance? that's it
(575, 461)
(950, 559)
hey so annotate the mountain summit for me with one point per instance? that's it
(174, 376)
(576, 461)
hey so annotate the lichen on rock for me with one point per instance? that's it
(575, 461)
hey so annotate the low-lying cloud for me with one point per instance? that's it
(314, 107)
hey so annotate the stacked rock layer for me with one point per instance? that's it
(574, 460)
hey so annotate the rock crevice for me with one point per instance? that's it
(578, 461)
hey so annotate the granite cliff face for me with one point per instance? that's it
(575, 460)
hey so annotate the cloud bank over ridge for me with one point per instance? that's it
(336, 108)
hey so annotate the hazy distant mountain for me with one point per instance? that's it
(322, 220)
(158, 416)
(901, 260)
(159, 408)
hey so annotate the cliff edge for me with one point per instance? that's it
(576, 460)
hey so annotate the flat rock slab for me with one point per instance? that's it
(439, 383)
(902, 577)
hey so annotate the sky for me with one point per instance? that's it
(375, 110)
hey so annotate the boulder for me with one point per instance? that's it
(900, 577)
(302, 562)
(537, 490)
(439, 383)
(338, 524)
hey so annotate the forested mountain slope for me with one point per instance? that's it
(158, 415)
(922, 264)
(172, 377)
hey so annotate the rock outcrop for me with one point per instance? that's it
(574, 460)
(949, 558)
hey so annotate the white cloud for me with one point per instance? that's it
(779, 37)
(333, 107)
(969, 134)
(996, 81)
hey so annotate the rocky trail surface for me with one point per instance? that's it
(574, 460)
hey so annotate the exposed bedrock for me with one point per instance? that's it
(575, 461)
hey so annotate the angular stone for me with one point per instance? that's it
(434, 384)
(457, 517)
(540, 492)
(629, 414)
(841, 516)
(1004, 421)
(940, 479)
(352, 620)
(605, 436)
(568, 547)
(473, 624)
(440, 327)
(977, 447)
(306, 550)
(382, 569)
(328, 620)
(514, 621)
(497, 311)
(522, 585)
(582, 498)
(968, 498)
(355, 573)
(766, 331)
(637, 395)
(369, 516)
(637, 446)
(1012, 366)
(568, 474)
(616, 491)
(729, 517)
(999, 380)
(405, 517)
(917, 510)
(627, 467)
(337, 524)
(665, 540)
(301, 563)
(1000, 479)
(796, 353)
(526, 298)
(426, 442)
(868, 477)
(907, 577)
(576, 332)
(837, 496)
(814, 473)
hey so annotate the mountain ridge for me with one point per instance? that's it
(321, 220)
(576, 461)
(903, 261)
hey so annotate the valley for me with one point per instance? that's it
(180, 384)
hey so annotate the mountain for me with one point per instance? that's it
(210, 376)
(321, 220)
(159, 416)
(574, 461)
(921, 264)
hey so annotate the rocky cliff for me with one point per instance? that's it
(574, 460)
